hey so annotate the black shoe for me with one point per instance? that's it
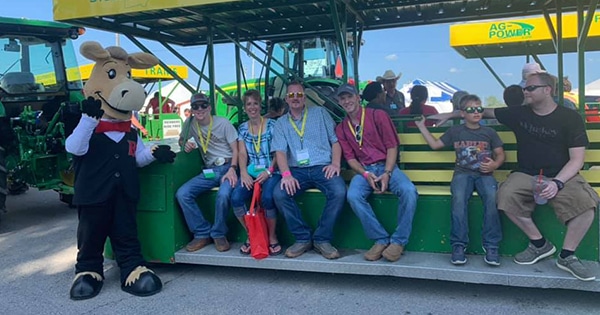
(142, 282)
(86, 286)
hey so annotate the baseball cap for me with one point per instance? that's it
(199, 98)
(346, 88)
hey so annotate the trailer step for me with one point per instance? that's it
(417, 265)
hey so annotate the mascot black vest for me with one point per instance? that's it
(105, 167)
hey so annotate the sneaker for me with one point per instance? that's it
(327, 250)
(532, 254)
(297, 249)
(491, 257)
(375, 252)
(573, 265)
(458, 255)
(393, 252)
(197, 244)
(221, 244)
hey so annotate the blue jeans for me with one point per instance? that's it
(462, 188)
(241, 195)
(186, 196)
(335, 194)
(400, 186)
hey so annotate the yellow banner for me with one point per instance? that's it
(515, 30)
(73, 9)
(84, 72)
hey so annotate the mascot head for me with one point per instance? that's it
(110, 81)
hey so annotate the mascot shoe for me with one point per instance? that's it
(86, 285)
(142, 282)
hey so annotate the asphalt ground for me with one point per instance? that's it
(38, 249)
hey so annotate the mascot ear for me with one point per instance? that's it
(142, 60)
(93, 51)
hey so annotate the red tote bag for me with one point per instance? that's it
(256, 224)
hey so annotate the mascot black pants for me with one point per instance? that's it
(115, 218)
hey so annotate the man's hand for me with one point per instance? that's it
(246, 180)
(290, 185)
(189, 146)
(331, 170)
(487, 166)
(372, 180)
(231, 176)
(420, 122)
(92, 107)
(383, 180)
(163, 154)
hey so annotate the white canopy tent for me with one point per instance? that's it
(440, 93)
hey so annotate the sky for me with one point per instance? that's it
(421, 52)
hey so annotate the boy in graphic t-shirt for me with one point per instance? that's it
(478, 153)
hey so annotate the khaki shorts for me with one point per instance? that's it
(515, 195)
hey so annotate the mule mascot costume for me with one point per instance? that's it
(107, 152)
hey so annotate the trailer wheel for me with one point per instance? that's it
(66, 198)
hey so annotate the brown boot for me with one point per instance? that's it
(375, 252)
(221, 244)
(197, 244)
(393, 252)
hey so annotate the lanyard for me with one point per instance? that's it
(359, 139)
(299, 132)
(203, 144)
(256, 143)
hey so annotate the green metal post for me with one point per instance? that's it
(340, 34)
(560, 53)
(211, 67)
(167, 69)
(487, 65)
(584, 27)
(238, 78)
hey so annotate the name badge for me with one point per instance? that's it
(209, 173)
(393, 106)
(302, 157)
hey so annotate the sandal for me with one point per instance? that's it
(273, 251)
(245, 249)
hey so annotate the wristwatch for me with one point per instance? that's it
(233, 166)
(389, 173)
(560, 185)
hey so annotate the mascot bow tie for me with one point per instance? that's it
(105, 126)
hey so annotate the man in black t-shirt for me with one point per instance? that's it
(551, 140)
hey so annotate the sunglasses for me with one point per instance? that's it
(531, 88)
(295, 95)
(198, 105)
(357, 134)
(471, 110)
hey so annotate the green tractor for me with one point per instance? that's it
(40, 93)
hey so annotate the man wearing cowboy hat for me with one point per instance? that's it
(394, 99)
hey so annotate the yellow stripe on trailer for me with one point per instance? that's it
(74, 9)
(499, 37)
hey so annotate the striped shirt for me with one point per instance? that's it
(263, 157)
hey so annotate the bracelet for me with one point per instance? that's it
(268, 172)
(366, 175)
(271, 169)
(233, 166)
(286, 174)
(388, 172)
